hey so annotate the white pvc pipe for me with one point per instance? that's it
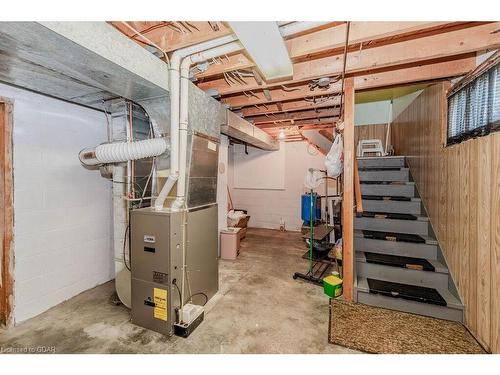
(184, 109)
(298, 27)
(180, 201)
(175, 61)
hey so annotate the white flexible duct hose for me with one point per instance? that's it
(124, 151)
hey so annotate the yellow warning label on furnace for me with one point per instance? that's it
(160, 299)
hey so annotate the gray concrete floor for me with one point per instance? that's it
(259, 309)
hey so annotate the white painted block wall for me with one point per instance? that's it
(267, 207)
(62, 212)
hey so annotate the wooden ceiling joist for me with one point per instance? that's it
(298, 115)
(172, 35)
(323, 121)
(401, 76)
(294, 105)
(332, 39)
(434, 47)
(329, 40)
(380, 54)
(278, 95)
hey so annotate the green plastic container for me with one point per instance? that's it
(332, 286)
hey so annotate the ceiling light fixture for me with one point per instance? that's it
(281, 134)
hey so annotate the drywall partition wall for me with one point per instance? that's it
(460, 188)
(372, 113)
(259, 169)
(62, 212)
(268, 207)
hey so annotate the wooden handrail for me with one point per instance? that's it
(357, 190)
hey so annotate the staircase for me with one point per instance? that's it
(399, 265)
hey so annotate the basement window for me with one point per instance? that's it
(474, 104)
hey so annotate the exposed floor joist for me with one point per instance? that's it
(172, 35)
(402, 75)
(380, 54)
(431, 47)
(297, 115)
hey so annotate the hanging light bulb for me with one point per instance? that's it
(281, 134)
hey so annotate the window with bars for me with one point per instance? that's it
(474, 109)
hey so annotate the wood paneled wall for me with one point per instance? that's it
(6, 213)
(370, 132)
(460, 188)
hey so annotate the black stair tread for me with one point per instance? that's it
(380, 168)
(399, 261)
(380, 157)
(388, 236)
(386, 182)
(386, 198)
(389, 215)
(406, 291)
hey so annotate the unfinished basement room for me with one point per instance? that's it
(249, 187)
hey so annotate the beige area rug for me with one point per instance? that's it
(376, 330)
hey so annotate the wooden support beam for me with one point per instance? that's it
(318, 127)
(294, 105)
(6, 214)
(295, 131)
(321, 121)
(400, 76)
(331, 39)
(298, 115)
(278, 95)
(433, 47)
(328, 134)
(348, 192)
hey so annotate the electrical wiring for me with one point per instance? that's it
(199, 294)
(149, 41)
(343, 70)
(174, 281)
(124, 243)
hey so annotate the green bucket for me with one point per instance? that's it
(332, 286)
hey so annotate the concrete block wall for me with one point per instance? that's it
(268, 207)
(62, 212)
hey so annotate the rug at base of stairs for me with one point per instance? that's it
(376, 330)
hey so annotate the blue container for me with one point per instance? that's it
(306, 207)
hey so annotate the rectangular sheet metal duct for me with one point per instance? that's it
(241, 129)
(82, 62)
(265, 45)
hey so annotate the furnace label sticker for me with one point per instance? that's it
(160, 277)
(149, 239)
(160, 299)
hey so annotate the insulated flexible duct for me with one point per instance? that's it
(123, 151)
